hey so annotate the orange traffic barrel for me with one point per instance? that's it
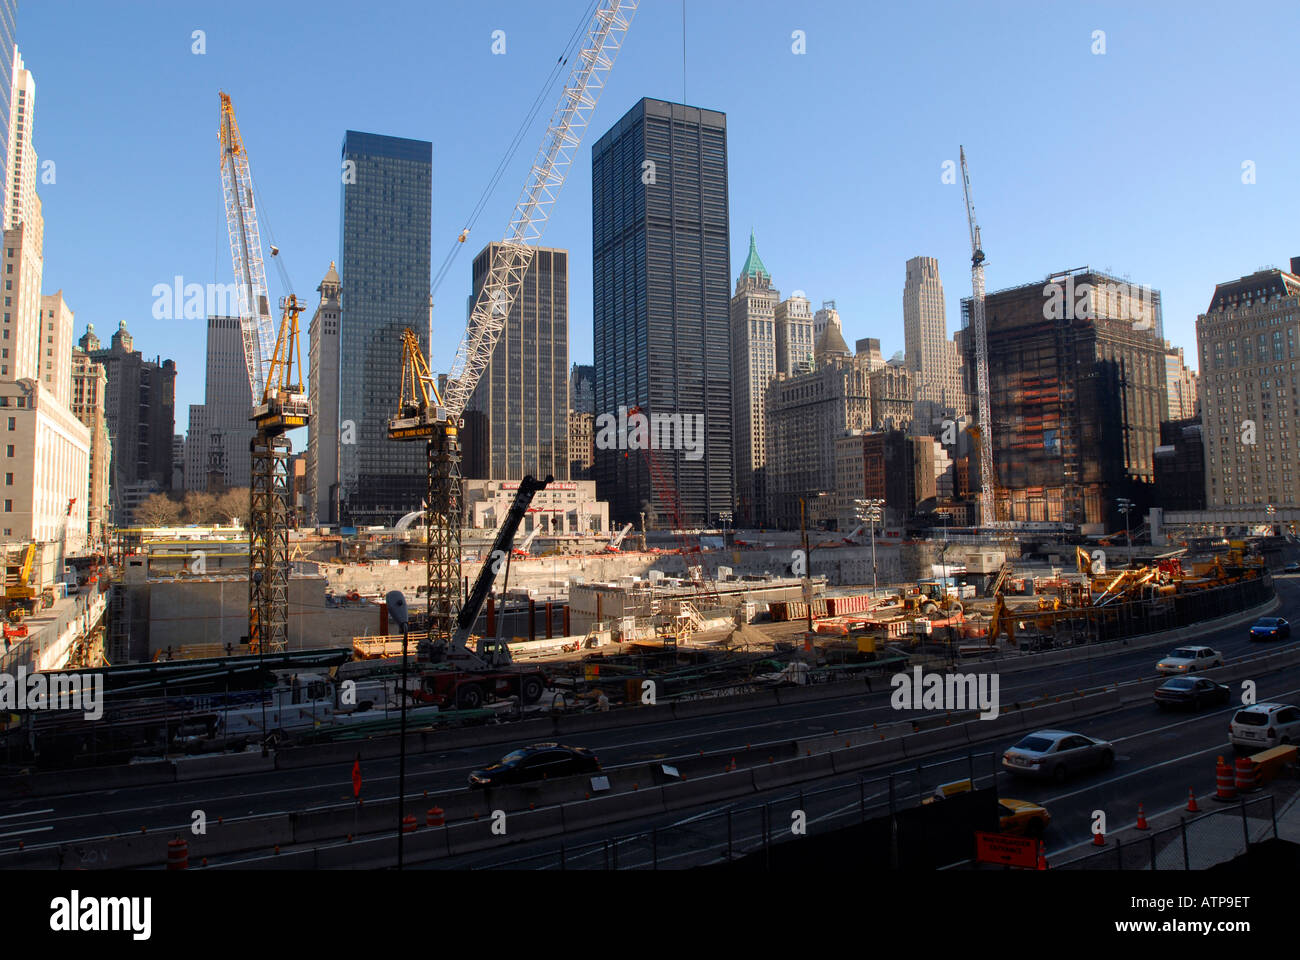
(1224, 782)
(434, 818)
(1246, 775)
(408, 824)
(178, 854)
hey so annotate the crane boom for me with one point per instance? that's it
(514, 255)
(256, 327)
(979, 331)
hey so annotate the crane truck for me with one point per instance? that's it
(452, 673)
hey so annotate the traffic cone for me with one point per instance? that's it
(1191, 801)
(1099, 839)
(1142, 819)
(1042, 855)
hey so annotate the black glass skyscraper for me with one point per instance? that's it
(384, 241)
(661, 273)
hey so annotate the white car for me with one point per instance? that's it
(1189, 660)
(1262, 726)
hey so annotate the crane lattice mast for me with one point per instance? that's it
(513, 256)
(436, 416)
(979, 331)
(257, 329)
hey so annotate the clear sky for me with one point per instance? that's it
(1129, 160)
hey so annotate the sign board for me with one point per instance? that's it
(599, 784)
(1011, 851)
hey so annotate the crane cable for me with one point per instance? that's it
(513, 148)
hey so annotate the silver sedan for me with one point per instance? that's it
(1057, 754)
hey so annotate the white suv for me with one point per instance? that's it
(1265, 725)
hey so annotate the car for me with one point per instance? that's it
(1191, 692)
(539, 761)
(1262, 726)
(1292, 567)
(1022, 817)
(1189, 660)
(1270, 628)
(1057, 754)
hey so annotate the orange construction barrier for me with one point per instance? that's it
(178, 854)
(1246, 779)
(434, 818)
(408, 824)
(1226, 790)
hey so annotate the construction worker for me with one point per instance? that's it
(602, 702)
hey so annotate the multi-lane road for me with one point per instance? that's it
(1158, 757)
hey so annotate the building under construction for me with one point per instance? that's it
(1077, 384)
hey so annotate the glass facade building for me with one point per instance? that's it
(384, 261)
(517, 421)
(661, 278)
(8, 43)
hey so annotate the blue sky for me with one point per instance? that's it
(1130, 160)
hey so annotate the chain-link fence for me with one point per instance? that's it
(748, 828)
(1194, 843)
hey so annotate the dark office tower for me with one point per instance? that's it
(384, 267)
(1077, 383)
(662, 341)
(517, 421)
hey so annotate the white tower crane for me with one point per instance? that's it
(979, 332)
(255, 324)
(427, 414)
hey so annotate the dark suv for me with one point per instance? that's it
(540, 761)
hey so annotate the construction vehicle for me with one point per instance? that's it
(523, 549)
(467, 678)
(616, 541)
(19, 593)
(434, 416)
(979, 333)
(280, 404)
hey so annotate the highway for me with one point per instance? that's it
(1158, 756)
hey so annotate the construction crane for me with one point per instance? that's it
(979, 332)
(255, 325)
(523, 550)
(279, 402)
(616, 541)
(425, 412)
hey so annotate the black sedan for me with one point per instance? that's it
(1192, 692)
(541, 761)
(1270, 628)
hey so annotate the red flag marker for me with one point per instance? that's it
(356, 776)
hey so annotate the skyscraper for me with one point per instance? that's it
(323, 373)
(1077, 384)
(1249, 340)
(216, 443)
(384, 266)
(517, 420)
(930, 355)
(794, 335)
(89, 390)
(661, 265)
(24, 236)
(753, 363)
(140, 404)
(56, 346)
(8, 50)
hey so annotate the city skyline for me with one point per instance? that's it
(898, 189)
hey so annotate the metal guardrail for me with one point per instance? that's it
(1197, 843)
(746, 828)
